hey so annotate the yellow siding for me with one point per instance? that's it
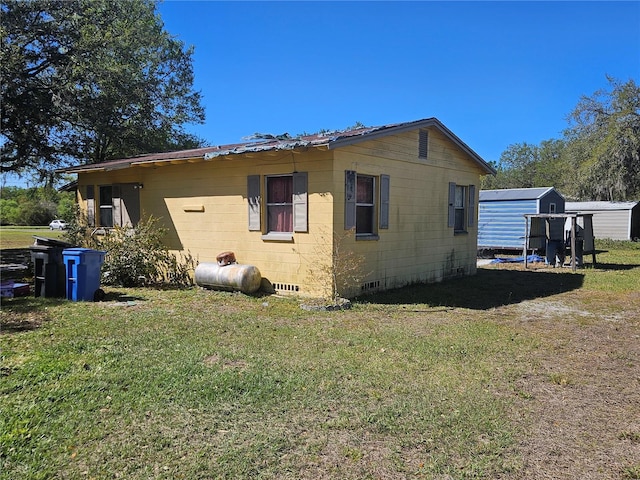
(418, 246)
(203, 204)
(205, 209)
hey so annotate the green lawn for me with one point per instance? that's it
(22, 237)
(434, 382)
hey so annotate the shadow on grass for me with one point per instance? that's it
(490, 288)
(115, 296)
(611, 266)
(22, 314)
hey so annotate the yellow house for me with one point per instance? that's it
(409, 191)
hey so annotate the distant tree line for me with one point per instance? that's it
(34, 206)
(86, 81)
(598, 157)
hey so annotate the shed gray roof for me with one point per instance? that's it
(266, 143)
(598, 206)
(514, 194)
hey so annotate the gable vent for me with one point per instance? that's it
(423, 144)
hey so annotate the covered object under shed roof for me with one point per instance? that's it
(614, 220)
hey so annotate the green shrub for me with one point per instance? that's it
(135, 256)
(78, 232)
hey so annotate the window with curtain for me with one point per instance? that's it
(365, 205)
(460, 207)
(280, 203)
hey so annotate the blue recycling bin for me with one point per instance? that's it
(82, 266)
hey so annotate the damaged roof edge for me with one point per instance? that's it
(405, 127)
(263, 147)
(330, 141)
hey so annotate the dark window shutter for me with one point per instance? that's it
(300, 208)
(349, 199)
(451, 216)
(253, 197)
(384, 201)
(423, 147)
(471, 219)
(91, 206)
(117, 206)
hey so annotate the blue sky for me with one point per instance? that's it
(496, 73)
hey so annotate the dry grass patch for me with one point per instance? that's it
(509, 374)
(582, 390)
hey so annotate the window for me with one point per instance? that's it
(280, 204)
(365, 206)
(362, 205)
(106, 206)
(459, 205)
(462, 212)
(119, 204)
(286, 205)
(552, 208)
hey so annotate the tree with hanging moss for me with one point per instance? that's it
(604, 143)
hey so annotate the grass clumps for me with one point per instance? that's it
(211, 384)
(508, 374)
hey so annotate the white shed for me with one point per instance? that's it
(614, 220)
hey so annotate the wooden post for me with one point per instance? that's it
(526, 240)
(573, 243)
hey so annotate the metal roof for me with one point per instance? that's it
(514, 194)
(598, 206)
(265, 143)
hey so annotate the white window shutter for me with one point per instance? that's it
(384, 201)
(451, 215)
(253, 197)
(300, 204)
(349, 199)
(471, 219)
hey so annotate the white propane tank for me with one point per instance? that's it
(245, 278)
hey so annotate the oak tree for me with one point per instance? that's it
(604, 143)
(89, 81)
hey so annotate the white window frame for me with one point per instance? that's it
(104, 207)
(460, 209)
(468, 207)
(370, 206)
(257, 214)
(268, 205)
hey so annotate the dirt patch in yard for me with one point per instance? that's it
(578, 404)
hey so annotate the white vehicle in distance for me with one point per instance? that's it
(57, 225)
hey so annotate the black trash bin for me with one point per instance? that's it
(48, 267)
